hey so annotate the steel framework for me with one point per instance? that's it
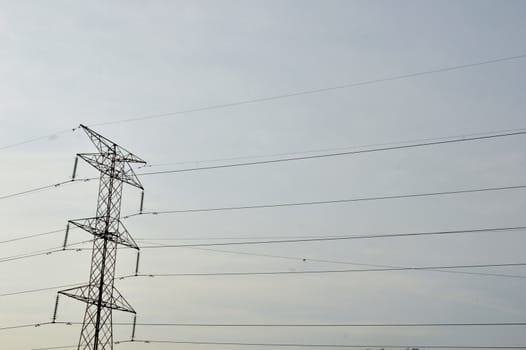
(100, 295)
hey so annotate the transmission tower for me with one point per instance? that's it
(100, 294)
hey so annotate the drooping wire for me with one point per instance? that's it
(317, 260)
(350, 325)
(388, 268)
(318, 272)
(313, 91)
(30, 325)
(274, 239)
(375, 145)
(28, 291)
(460, 139)
(333, 201)
(278, 97)
(301, 345)
(378, 268)
(35, 235)
(340, 154)
(276, 325)
(39, 138)
(295, 345)
(42, 252)
(299, 325)
(429, 269)
(346, 237)
(42, 188)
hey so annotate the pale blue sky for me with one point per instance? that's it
(68, 62)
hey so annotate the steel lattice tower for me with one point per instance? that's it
(100, 295)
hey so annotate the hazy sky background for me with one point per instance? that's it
(68, 62)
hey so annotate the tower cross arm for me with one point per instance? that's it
(105, 165)
(106, 146)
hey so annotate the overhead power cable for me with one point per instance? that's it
(42, 188)
(317, 272)
(35, 235)
(39, 138)
(368, 146)
(314, 91)
(297, 345)
(339, 154)
(281, 96)
(29, 255)
(42, 252)
(28, 291)
(348, 237)
(308, 260)
(229, 237)
(283, 325)
(31, 325)
(455, 140)
(390, 267)
(301, 345)
(306, 325)
(333, 201)
(379, 268)
(271, 239)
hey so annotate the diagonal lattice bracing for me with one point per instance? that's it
(100, 295)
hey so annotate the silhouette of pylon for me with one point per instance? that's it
(100, 295)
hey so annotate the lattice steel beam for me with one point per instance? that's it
(100, 295)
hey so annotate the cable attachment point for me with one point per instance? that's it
(75, 168)
(137, 263)
(54, 319)
(66, 237)
(133, 329)
(142, 202)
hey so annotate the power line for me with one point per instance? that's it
(481, 230)
(308, 272)
(222, 238)
(277, 97)
(376, 145)
(282, 325)
(390, 267)
(31, 325)
(42, 188)
(39, 138)
(42, 252)
(29, 255)
(349, 237)
(58, 347)
(306, 325)
(308, 259)
(314, 91)
(334, 201)
(378, 268)
(295, 345)
(471, 324)
(459, 139)
(382, 268)
(35, 235)
(28, 291)
(298, 345)
(272, 241)
(339, 154)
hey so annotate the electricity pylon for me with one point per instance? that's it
(100, 294)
